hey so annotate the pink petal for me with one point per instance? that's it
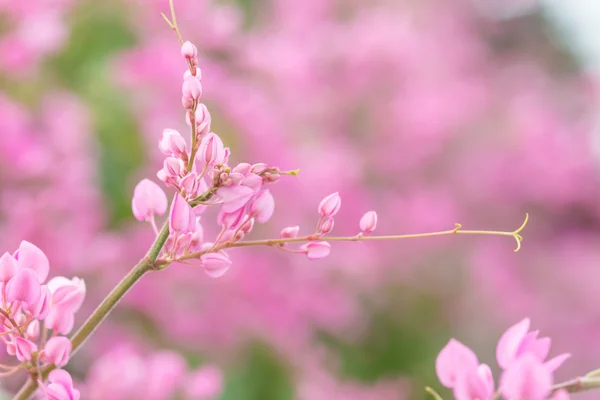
(510, 342)
(454, 359)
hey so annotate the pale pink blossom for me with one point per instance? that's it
(57, 351)
(148, 199)
(316, 250)
(330, 205)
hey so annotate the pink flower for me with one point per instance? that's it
(475, 384)
(188, 50)
(61, 319)
(33, 330)
(67, 293)
(60, 386)
(263, 206)
(148, 199)
(182, 218)
(41, 308)
(327, 226)
(172, 143)
(330, 205)
(231, 220)
(31, 257)
(212, 151)
(526, 378)
(203, 120)
(191, 92)
(205, 383)
(8, 267)
(517, 341)
(368, 222)
(57, 351)
(24, 348)
(316, 250)
(215, 264)
(234, 197)
(454, 360)
(289, 232)
(24, 286)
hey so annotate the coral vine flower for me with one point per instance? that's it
(148, 199)
(330, 205)
(517, 341)
(368, 222)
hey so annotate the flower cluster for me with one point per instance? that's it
(156, 376)
(522, 356)
(35, 315)
(202, 176)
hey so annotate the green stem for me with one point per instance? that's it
(85, 331)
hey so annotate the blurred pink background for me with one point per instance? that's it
(430, 112)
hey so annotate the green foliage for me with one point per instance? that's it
(263, 376)
(397, 343)
(99, 31)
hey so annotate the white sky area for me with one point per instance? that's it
(579, 24)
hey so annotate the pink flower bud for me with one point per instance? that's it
(231, 220)
(172, 143)
(24, 286)
(270, 177)
(526, 378)
(8, 267)
(188, 50)
(191, 92)
(61, 319)
(148, 199)
(203, 120)
(316, 250)
(204, 384)
(211, 150)
(242, 168)
(215, 264)
(245, 229)
(368, 222)
(263, 206)
(31, 257)
(173, 167)
(24, 348)
(259, 168)
(60, 386)
(234, 197)
(40, 309)
(57, 351)
(189, 183)
(181, 218)
(330, 205)
(327, 226)
(33, 330)
(289, 232)
(67, 293)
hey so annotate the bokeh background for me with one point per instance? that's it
(431, 112)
